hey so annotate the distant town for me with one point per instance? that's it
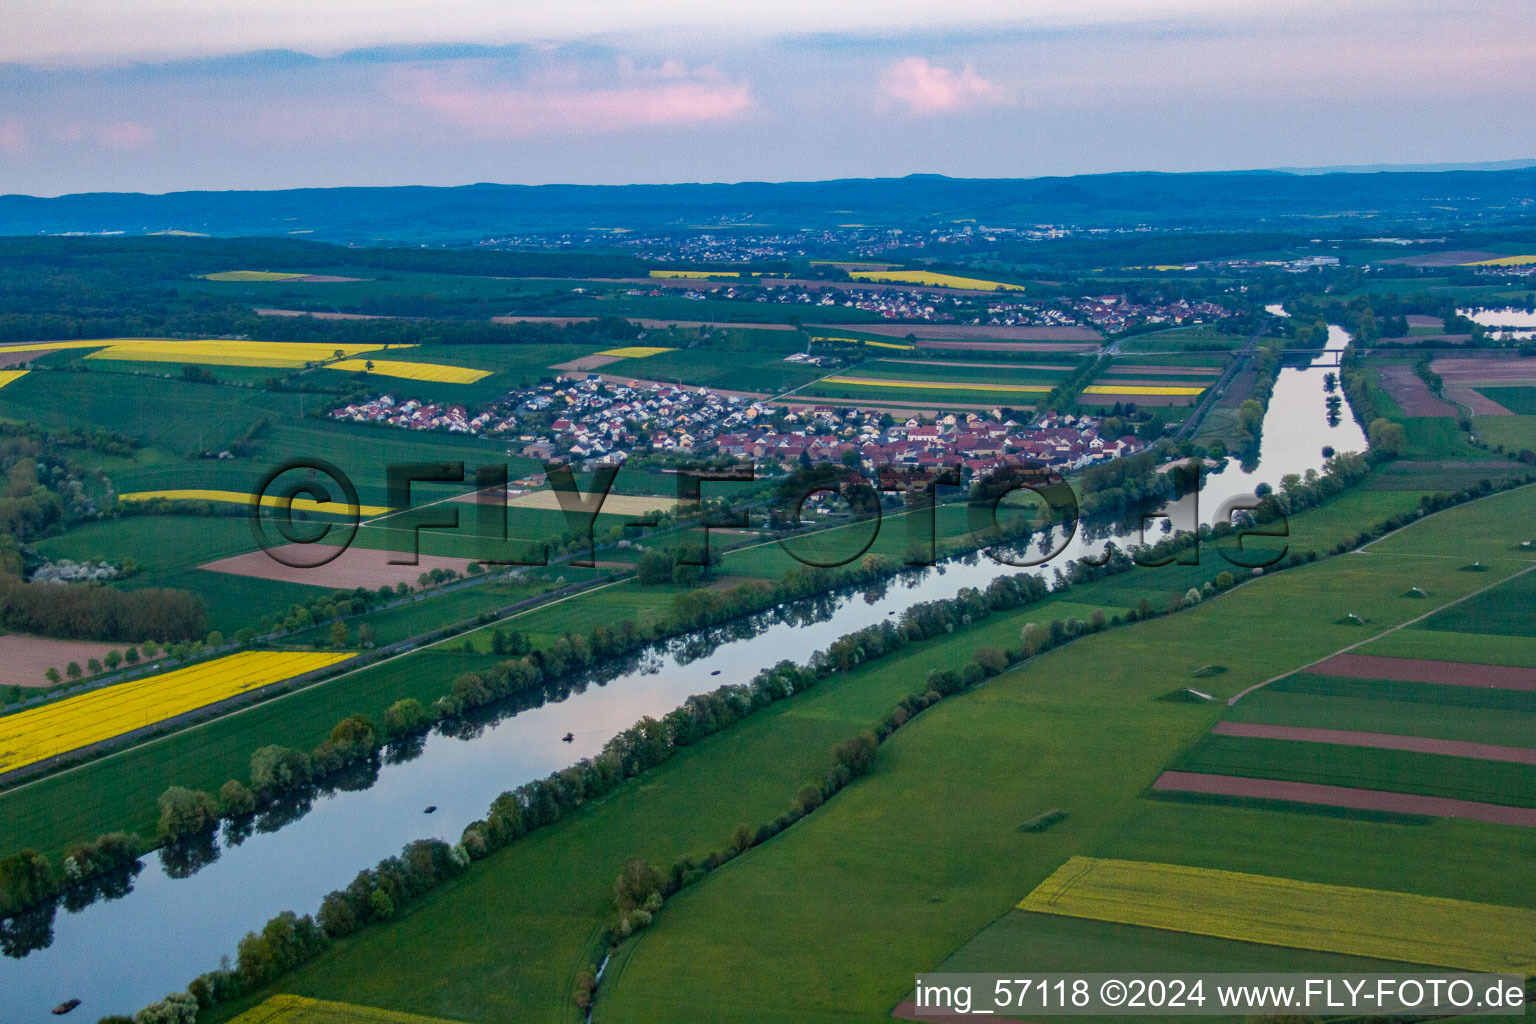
(603, 423)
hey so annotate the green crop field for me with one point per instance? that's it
(1478, 648)
(172, 414)
(1331, 764)
(1271, 706)
(1430, 695)
(1508, 609)
(902, 868)
(1519, 400)
(425, 613)
(1513, 432)
(1438, 437)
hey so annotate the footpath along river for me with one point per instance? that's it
(118, 955)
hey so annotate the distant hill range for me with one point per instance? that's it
(1322, 202)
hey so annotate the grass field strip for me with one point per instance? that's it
(1285, 912)
(1386, 632)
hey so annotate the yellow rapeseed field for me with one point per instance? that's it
(932, 279)
(6, 376)
(29, 736)
(214, 352)
(267, 501)
(634, 352)
(695, 273)
(436, 372)
(285, 1009)
(252, 275)
(1504, 261)
(937, 385)
(1284, 912)
(1139, 389)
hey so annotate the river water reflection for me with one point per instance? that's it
(116, 955)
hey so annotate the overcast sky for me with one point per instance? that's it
(161, 95)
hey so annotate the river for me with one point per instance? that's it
(117, 955)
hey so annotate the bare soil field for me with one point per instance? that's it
(25, 659)
(1344, 796)
(1409, 391)
(15, 358)
(1009, 346)
(548, 501)
(971, 332)
(1131, 382)
(980, 366)
(1160, 400)
(355, 567)
(1415, 670)
(1458, 370)
(1475, 400)
(585, 363)
(649, 323)
(1380, 740)
(641, 382)
(1165, 371)
(908, 1010)
(1423, 320)
(894, 408)
(265, 311)
(1455, 258)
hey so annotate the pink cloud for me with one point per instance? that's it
(13, 138)
(124, 135)
(928, 89)
(562, 104)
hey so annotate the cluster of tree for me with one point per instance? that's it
(683, 565)
(1355, 379)
(1265, 363)
(85, 611)
(332, 607)
(1431, 379)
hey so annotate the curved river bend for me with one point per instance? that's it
(118, 955)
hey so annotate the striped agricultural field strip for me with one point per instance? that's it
(925, 277)
(1378, 740)
(286, 1009)
(253, 275)
(436, 372)
(215, 352)
(862, 341)
(210, 351)
(936, 385)
(75, 722)
(7, 376)
(1504, 261)
(1285, 912)
(634, 351)
(267, 500)
(695, 273)
(1139, 389)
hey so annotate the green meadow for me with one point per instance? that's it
(903, 867)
